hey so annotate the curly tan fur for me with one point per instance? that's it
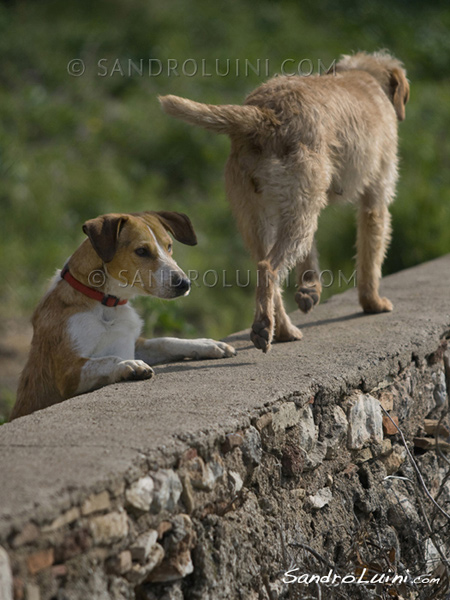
(298, 144)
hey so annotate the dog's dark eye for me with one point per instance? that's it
(142, 252)
(169, 248)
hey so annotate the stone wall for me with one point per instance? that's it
(305, 485)
(250, 478)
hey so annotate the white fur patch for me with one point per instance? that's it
(105, 331)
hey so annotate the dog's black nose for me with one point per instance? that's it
(181, 284)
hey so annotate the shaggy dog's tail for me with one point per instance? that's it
(227, 118)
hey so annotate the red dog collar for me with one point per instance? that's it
(105, 299)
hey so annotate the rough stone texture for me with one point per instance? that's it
(246, 462)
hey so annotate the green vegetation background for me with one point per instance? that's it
(75, 147)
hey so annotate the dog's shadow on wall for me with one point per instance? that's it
(351, 317)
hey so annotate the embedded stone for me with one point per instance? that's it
(389, 428)
(216, 468)
(187, 495)
(196, 470)
(163, 528)
(252, 448)
(298, 493)
(387, 401)
(386, 447)
(395, 459)
(440, 389)
(109, 528)
(96, 503)
(236, 481)
(315, 457)
(286, 416)
(142, 547)
(140, 493)
(334, 431)
(232, 440)
(138, 573)
(263, 421)
(167, 490)
(65, 519)
(363, 456)
(307, 431)
(120, 564)
(40, 560)
(365, 423)
(321, 498)
(200, 476)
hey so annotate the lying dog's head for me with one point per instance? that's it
(136, 250)
(387, 70)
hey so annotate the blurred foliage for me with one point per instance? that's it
(75, 147)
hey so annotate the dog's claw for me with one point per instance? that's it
(307, 298)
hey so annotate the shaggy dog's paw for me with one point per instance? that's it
(128, 370)
(307, 298)
(376, 305)
(261, 334)
(288, 333)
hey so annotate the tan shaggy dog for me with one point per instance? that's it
(298, 144)
(86, 334)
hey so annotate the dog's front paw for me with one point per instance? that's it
(376, 305)
(262, 334)
(207, 348)
(128, 370)
(307, 298)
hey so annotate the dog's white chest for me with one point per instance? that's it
(105, 331)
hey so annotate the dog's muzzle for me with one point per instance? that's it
(180, 285)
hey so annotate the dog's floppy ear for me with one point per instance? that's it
(179, 225)
(399, 89)
(103, 233)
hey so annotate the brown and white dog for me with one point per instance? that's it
(298, 144)
(87, 337)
